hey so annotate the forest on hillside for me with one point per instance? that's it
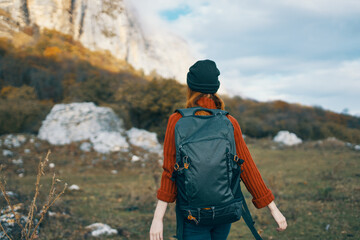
(49, 68)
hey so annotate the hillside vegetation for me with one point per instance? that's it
(38, 70)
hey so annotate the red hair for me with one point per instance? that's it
(194, 96)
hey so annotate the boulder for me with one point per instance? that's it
(105, 142)
(144, 139)
(73, 122)
(287, 138)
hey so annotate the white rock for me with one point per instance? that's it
(74, 187)
(15, 141)
(287, 138)
(21, 175)
(135, 158)
(67, 123)
(52, 214)
(105, 142)
(7, 153)
(17, 161)
(86, 147)
(357, 147)
(98, 229)
(72, 122)
(327, 227)
(9, 193)
(114, 171)
(144, 139)
(26, 150)
(51, 165)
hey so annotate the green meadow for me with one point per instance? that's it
(316, 186)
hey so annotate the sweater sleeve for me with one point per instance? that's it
(251, 177)
(168, 190)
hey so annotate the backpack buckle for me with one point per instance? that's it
(236, 158)
(176, 167)
(190, 217)
(186, 163)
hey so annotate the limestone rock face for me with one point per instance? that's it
(104, 25)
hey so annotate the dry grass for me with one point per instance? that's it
(29, 230)
(314, 186)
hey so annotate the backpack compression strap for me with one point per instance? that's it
(248, 219)
(185, 112)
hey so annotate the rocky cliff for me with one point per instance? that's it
(101, 25)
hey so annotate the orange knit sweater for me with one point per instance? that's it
(251, 177)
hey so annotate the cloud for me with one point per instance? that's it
(323, 85)
(297, 51)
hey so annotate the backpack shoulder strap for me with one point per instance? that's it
(185, 112)
(248, 219)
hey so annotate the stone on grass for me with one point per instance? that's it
(9, 194)
(7, 153)
(17, 161)
(98, 229)
(357, 147)
(51, 165)
(14, 141)
(86, 147)
(74, 187)
(287, 138)
(135, 158)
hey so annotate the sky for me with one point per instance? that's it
(305, 52)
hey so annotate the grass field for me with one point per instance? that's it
(316, 186)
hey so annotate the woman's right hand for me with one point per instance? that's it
(277, 215)
(156, 229)
(280, 220)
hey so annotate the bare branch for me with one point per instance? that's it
(5, 231)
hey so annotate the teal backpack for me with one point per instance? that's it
(207, 171)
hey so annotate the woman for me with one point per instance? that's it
(203, 83)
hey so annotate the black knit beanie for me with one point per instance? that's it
(203, 77)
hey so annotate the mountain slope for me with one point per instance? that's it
(101, 25)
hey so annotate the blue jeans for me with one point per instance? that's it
(215, 232)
